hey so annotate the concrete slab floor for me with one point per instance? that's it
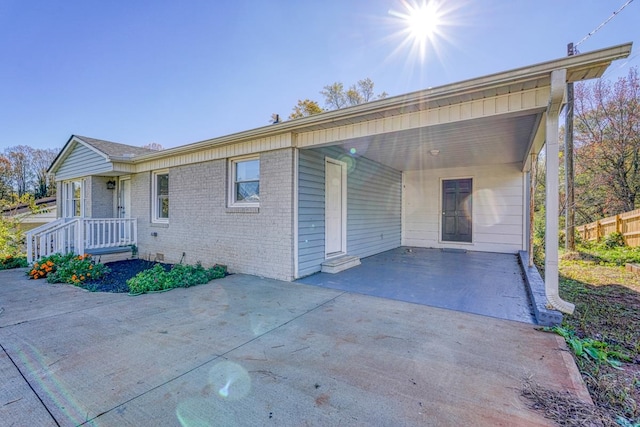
(249, 351)
(490, 284)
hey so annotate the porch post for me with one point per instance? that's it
(558, 87)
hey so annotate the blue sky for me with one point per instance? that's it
(176, 72)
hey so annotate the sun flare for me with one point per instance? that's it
(422, 23)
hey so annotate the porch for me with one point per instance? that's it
(82, 236)
(485, 283)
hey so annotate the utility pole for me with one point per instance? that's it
(570, 241)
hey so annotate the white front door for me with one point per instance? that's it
(124, 198)
(335, 207)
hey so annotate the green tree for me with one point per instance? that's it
(11, 233)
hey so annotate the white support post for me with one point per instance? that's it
(80, 234)
(558, 87)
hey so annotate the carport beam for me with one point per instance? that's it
(558, 87)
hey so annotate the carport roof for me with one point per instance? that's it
(399, 118)
(493, 119)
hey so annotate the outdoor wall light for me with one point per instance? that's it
(111, 185)
(434, 153)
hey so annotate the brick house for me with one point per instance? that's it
(445, 167)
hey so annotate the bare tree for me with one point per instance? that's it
(40, 161)
(21, 174)
(607, 135)
(154, 146)
(5, 181)
(335, 97)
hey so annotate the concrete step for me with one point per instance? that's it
(336, 265)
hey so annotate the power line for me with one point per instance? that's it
(575, 47)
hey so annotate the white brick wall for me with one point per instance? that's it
(100, 202)
(202, 227)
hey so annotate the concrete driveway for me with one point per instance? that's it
(249, 351)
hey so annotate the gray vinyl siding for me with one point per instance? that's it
(82, 161)
(374, 202)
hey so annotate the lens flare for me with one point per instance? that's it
(231, 380)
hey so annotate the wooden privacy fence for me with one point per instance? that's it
(628, 224)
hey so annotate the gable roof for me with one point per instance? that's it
(114, 149)
(107, 149)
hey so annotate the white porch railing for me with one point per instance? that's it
(80, 235)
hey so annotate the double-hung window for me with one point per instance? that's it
(73, 198)
(160, 202)
(244, 182)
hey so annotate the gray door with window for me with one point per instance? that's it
(456, 210)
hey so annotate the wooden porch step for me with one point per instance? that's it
(336, 265)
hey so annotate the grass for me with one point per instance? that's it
(607, 299)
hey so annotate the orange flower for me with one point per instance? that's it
(81, 277)
(50, 263)
(74, 277)
(88, 274)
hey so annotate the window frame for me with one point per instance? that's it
(155, 197)
(232, 192)
(69, 201)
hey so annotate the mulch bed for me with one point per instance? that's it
(121, 271)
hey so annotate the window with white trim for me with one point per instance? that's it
(73, 198)
(244, 182)
(160, 192)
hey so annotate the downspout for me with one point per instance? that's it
(558, 86)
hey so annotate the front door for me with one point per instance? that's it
(335, 207)
(456, 210)
(124, 208)
(124, 198)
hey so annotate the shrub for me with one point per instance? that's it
(10, 261)
(77, 270)
(69, 268)
(153, 279)
(180, 276)
(47, 265)
(613, 240)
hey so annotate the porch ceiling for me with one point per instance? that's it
(486, 141)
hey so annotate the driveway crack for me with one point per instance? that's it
(30, 386)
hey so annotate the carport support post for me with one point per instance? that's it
(558, 86)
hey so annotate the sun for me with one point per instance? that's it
(422, 23)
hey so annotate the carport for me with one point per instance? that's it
(448, 168)
(485, 283)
